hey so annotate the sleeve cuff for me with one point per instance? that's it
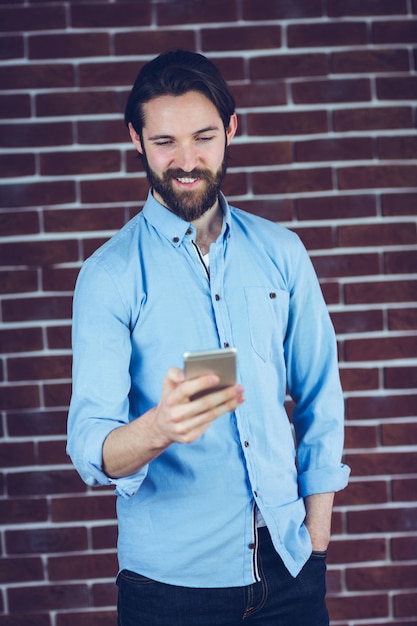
(324, 480)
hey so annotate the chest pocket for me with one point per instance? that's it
(268, 318)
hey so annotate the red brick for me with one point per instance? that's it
(287, 123)
(288, 65)
(397, 147)
(339, 8)
(40, 367)
(104, 594)
(37, 483)
(241, 38)
(19, 570)
(279, 210)
(14, 106)
(327, 34)
(59, 278)
(358, 607)
(111, 73)
(401, 262)
(17, 454)
(380, 348)
(376, 176)
(39, 252)
(337, 265)
(404, 489)
(52, 453)
(110, 15)
(380, 407)
(231, 68)
(24, 619)
(37, 423)
(32, 194)
(405, 605)
(152, 42)
(20, 340)
(372, 118)
(399, 434)
(19, 223)
(195, 12)
(360, 437)
(382, 520)
(315, 238)
(48, 597)
(394, 31)
(77, 103)
(104, 537)
(37, 76)
(388, 577)
(356, 379)
(35, 134)
(59, 337)
(259, 93)
(400, 377)
(32, 18)
(286, 9)
(79, 567)
(66, 45)
(402, 319)
(57, 394)
(386, 291)
(70, 220)
(357, 550)
(11, 47)
(397, 88)
(102, 132)
(366, 492)
(357, 321)
(23, 510)
(12, 165)
(92, 507)
(340, 149)
(260, 153)
(19, 397)
(370, 61)
(379, 234)
(46, 540)
(336, 207)
(331, 90)
(114, 190)
(292, 181)
(40, 308)
(96, 618)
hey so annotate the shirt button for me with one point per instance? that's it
(175, 239)
(246, 444)
(226, 344)
(217, 297)
(272, 295)
(252, 546)
(188, 231)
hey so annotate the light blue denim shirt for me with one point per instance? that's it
(142, 300)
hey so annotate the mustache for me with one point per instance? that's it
(180, 173)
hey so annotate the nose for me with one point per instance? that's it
(187, 157)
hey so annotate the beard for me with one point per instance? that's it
(188, 205)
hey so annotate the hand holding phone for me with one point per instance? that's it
(221, 362)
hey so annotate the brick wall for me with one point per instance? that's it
(327, 145)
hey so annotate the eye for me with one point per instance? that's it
(205, 138)
(164, 142)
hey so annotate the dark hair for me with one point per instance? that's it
(175, 73)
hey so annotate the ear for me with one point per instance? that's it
(135, 138)
(232, 128)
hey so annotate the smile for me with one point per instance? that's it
(187, 181)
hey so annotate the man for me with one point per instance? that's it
(222, 518)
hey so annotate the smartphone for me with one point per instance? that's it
(221, 362)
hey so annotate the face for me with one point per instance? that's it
(184, 145)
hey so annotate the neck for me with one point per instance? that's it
(208, 227)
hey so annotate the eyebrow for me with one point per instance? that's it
(198, 132)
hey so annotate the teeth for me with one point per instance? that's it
(187, 180)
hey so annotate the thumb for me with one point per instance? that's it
(173, 378)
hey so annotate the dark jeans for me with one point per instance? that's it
(278, 600)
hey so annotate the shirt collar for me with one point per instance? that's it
(173, 227)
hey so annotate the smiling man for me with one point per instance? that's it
(223, 506)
